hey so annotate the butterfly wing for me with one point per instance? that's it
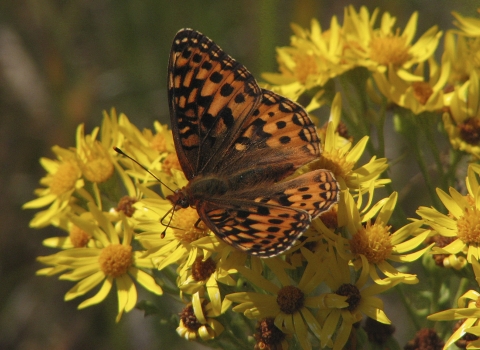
(268, 224)
(277, 138)
(210, 97)
(255, 228)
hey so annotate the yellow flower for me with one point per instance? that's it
(94, 156)
(196, 320)
(148, 148)
(340, 157)
(462, 54)
(63, 178)
(463, 122)
(269, 337)
(337, 318)
(462, 222)
(112, 261)
(379, 48)
(411, 90)
(313, 58)
(468, 25)
(290, 304)
(77, 237)
(372, 244)
(206, 272)
(468, 310)
(152, 218)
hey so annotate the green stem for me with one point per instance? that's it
(408, 306)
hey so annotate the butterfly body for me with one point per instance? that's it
(236, 143)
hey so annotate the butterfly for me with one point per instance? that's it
(235, 143)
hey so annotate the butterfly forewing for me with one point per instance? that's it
(279, 134)
(210, 96)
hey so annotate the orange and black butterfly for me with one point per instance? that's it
(235, 142)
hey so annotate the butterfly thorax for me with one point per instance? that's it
(201, 187)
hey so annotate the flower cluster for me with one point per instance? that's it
(120, 227)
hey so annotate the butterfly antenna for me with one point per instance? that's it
(162, 235)
(119, 151)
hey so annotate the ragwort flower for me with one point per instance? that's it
(112, 261)
(340, 157)
(197, 320)
(414, 91)
(290, 305)
(313, 58)
(383, 47)
(462, 222)
(462, 122)
(373, 244)
(63, 178)
(468, 310)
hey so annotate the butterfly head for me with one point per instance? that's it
(179, 199)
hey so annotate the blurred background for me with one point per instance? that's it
(62, 63)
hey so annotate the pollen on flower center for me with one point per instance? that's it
(391, 49)
(78, 237)
(290, 299)
(352, 293)
(189, 319)
(468, 226)
(64, 178)
(422, 91)
(373, 242)
(267, 335)
(470, 131)
(335, 162)
(171, 162)
(202, 270)
(115, 260)
(97, 166)
(305, 65)
(126, 205)
(158, 143)
(185, 227)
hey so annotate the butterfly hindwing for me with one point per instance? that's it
(258, 229)
(314, 192)
(210, 97)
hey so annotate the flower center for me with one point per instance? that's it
(202, 270)
(305, 65)
(97, 166)
(390, 49)
(171, 162)
(468, 226)
(373, 242)
(470, 131)
(352, 293)
(268, 336)
(290, 299)
(158, 143)
(334, 161)
(189, 319)
(185, 225)
(115, 260)
(65, 178)
(126, 205)
(329, 218)
(78, 237)
(422, 91)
